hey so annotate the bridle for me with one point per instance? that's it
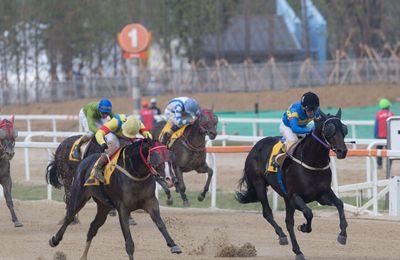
(146, 161)
(325, 141)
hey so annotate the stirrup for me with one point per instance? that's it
(99, 176)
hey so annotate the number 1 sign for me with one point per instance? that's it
(134, 38)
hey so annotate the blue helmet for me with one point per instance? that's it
(192, 107)
(105, 106)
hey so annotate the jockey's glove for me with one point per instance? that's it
(147, 134)
(104, 146)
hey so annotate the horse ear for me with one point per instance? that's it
(339, 113)
(12, 119)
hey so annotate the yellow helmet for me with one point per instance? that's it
(131, 127)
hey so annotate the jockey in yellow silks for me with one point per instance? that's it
(116, 133)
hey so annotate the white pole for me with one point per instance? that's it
(274, 201)
(334, 176)
(26, 154)
(1, 192)
(254, 131)
(375, 187)
(49, 188)
(28, 123)
(214, 182)
(54, 129)
(223, 133)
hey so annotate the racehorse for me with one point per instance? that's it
(7, 142)
(131, 187)
(190, 152)
(305, 177)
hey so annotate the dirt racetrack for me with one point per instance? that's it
(197, 232)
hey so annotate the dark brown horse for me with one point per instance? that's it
(189, 152)
(130, 188)
(7, 142)
(305, 177)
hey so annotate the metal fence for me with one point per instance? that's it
(223, 77)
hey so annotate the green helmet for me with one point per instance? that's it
(384, 103)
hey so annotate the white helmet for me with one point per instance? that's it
(153, 100)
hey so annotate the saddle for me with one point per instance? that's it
(84, 147)
(176, 135)
(278, 155)
(108, 170)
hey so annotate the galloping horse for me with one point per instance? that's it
(190, 152)
(7, 142)
(131, 187)
(306, 177)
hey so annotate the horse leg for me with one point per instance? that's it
(152, 207)
(98, 221)
(166, 190)
(181, 185)
(67, 182)
(77, 202)
(329, 198)
(300, 204)
(7, 185)
(261, 190)
(290, 208)
(123, 215)
(209, 172)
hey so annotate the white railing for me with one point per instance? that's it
(223, 121)
(371, 184)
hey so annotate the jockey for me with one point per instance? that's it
(180, 111)
(298, 119)
(116, 133)
(91, 117)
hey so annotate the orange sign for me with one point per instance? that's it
(140, 55)
(134, 38)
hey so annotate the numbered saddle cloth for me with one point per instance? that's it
(108, 170)
(176, 135)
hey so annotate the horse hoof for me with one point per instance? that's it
(112, 213)
(342, 239)
(53, 243)
(200, 197)
(283, 241)
(304, 228)
(300, 257)
(18, 224)
(176, 249)
(170, 202)
(186, 204)
(132, 222)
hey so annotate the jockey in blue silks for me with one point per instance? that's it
(298, 119)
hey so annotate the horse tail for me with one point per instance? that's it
(52, 175)
(248, 195)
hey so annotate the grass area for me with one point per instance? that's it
(225, 200)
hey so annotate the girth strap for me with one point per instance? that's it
(308, 166)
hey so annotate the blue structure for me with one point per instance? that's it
(317, 26)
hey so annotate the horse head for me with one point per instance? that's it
(157, 154)
(208, 122)
(333, 132)
(7, 138)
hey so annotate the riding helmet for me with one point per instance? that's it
(310, 101)
(105, 106)
(192, 107)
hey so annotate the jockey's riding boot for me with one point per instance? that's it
(98, 170)
(77, 151)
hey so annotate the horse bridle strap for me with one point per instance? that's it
(130, 176)
(308, 166)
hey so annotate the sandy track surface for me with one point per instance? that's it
(198, 233)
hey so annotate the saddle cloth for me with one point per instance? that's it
(83, 150)
(275, 150)
(108, 170)
(280, 157)
(174, 136)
